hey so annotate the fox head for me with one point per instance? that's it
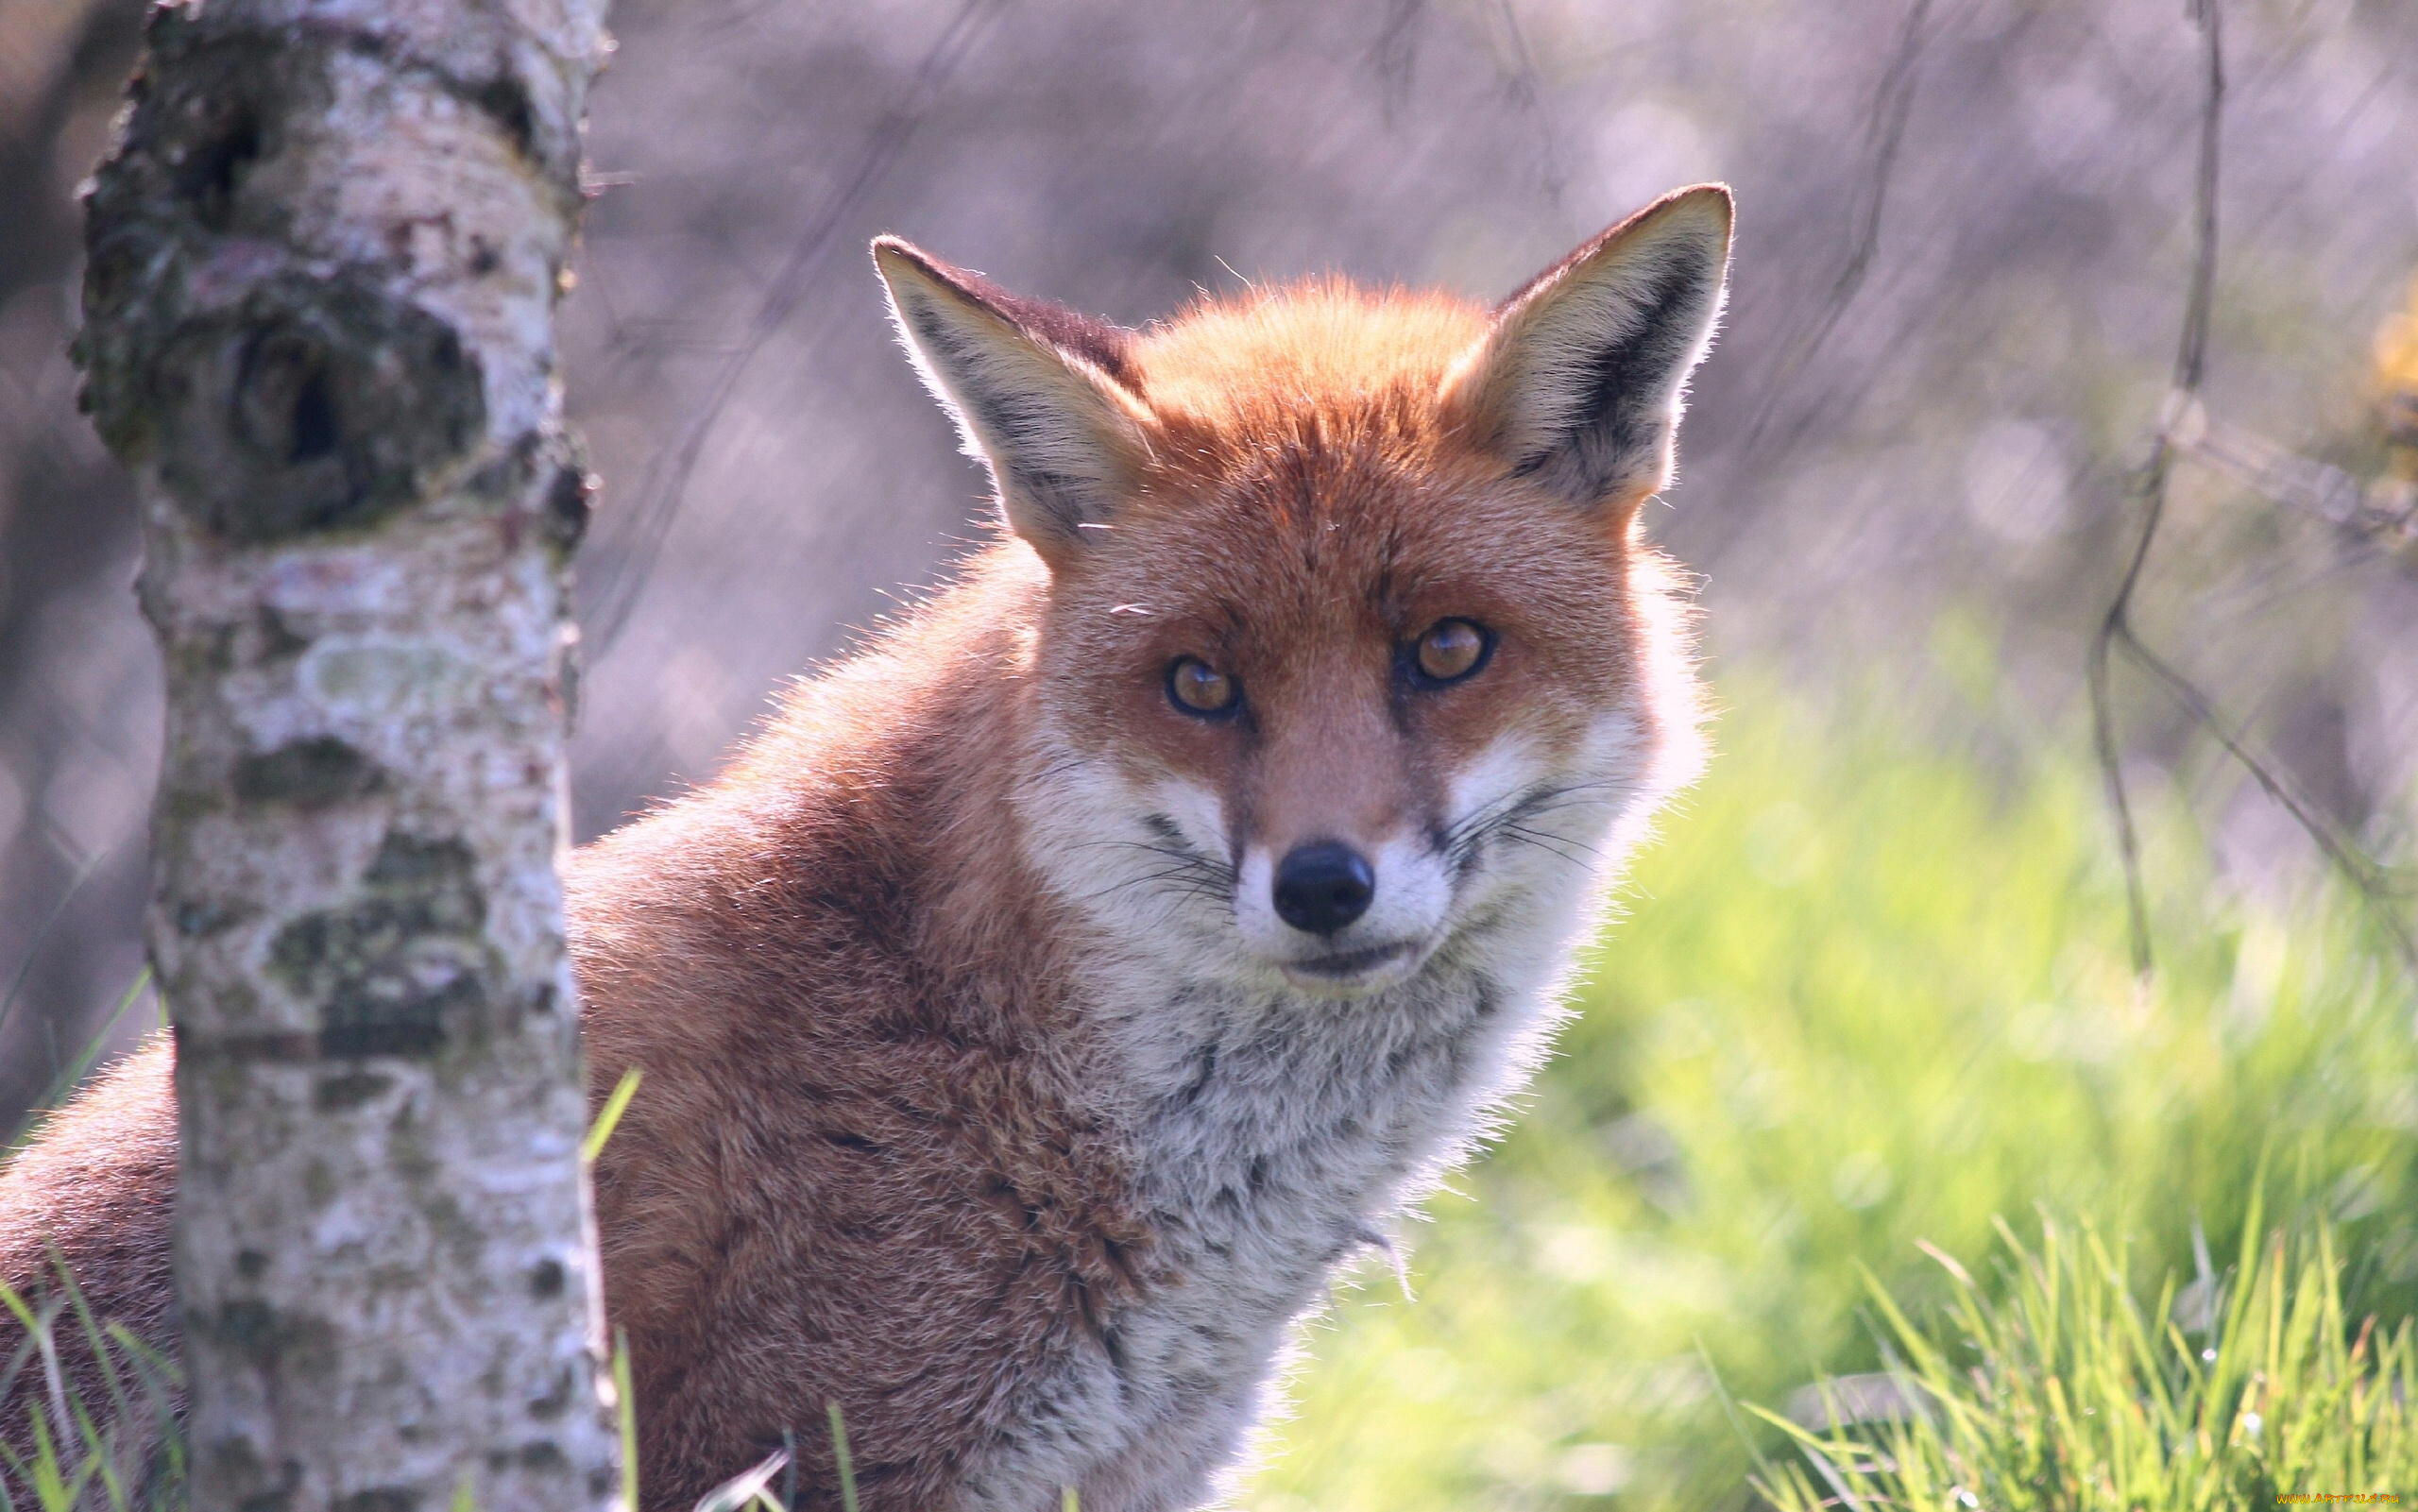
(1350, 652)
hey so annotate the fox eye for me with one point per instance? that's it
(1452, 649)
(1199, 688)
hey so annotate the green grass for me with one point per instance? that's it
(1865, 995)
(2071, 1393)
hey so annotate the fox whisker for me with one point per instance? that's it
(1193, 877)
(1173, 850)
(1506, 816)
(1552, 844)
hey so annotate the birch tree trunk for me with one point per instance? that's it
(324, 258)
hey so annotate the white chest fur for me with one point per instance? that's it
(1273, 1136)
(1287, 1140)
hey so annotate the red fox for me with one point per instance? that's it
(1037, 1011)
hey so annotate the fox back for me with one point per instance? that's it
(1039, 1010)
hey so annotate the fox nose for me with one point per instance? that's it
(1323, 886)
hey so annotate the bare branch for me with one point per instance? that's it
(2375, 883)
(2191, 361)
(2385, 508)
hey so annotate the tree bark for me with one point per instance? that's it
(324, 258)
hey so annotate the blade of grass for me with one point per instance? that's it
(95, 1340)
(609, 1116)
(24, 1313)
(163, 1383)
(848, 1466)
(746, 1489)
(626, 1407)
(100, 1458)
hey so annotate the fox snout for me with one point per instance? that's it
(1323, 886)
(1333, 914)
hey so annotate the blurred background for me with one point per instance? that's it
(1874, 984)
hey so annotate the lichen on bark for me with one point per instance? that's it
(323, 260)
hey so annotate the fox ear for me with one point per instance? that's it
(1034, 390)
(1579, 383)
